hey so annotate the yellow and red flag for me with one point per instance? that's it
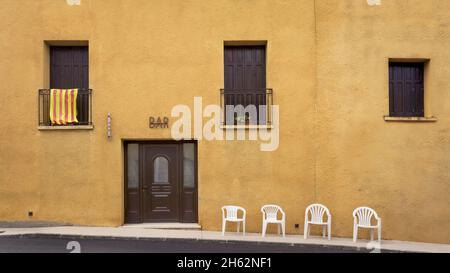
(63, 106)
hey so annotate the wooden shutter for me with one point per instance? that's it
(245, 69)
(245, 77)
(69, 67)
(406, 90)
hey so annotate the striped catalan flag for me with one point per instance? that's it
(63, 106)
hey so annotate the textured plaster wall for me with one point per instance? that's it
(147, 56)
(399, 169)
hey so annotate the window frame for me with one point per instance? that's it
(258, 95)
(84, 100)
(418, 100)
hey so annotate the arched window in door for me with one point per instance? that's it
(161, 170)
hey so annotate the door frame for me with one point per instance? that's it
(180, 178)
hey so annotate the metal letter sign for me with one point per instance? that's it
(159, 122)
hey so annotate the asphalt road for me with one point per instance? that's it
(33, 244)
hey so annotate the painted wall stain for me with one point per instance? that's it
(73, 2)
(374, 2)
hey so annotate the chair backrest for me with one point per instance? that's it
(271, 211)
(317, 212)
(231, 212)
(363, 215)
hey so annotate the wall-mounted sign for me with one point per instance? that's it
(108, 125)
(158, 122)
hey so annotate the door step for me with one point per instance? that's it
(187, 226)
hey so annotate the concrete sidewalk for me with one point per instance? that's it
(137, 233)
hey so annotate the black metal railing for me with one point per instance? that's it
(83, 105)
(253, 107)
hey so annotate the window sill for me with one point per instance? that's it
(410, 119)
(245, 127)
(69, 127)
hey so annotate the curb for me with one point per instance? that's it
(161, 239)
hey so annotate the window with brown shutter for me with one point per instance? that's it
(245, 82)
(406, 89)
(69, 69)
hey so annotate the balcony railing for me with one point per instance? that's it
(253, 107)
(83, 107)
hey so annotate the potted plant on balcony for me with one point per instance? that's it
(242, 120)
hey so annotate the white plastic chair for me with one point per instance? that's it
(317, 212)
(231, 214)
(270, 216)
(362, 218)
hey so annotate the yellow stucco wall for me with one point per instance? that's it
(401, 169)
(326, 61)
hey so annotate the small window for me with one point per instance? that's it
(406, 89)
(161, 170)
(189, 165)
(133, 165)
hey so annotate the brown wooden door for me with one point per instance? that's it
(69, 69)
(245, 77)
(161, 182)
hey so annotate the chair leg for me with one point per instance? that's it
(264, 227)
(329, 231)
(379, 234)
(371, 234)
(305, 231)
(224, 222)
(283, 226)
(309, 230)
(355, 233)
(238, 226)
(243, 228)
(324, 231)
